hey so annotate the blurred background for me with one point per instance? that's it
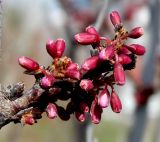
(25, 27)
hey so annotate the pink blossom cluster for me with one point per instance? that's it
(90, 87)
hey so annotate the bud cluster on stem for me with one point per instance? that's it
(88, 88)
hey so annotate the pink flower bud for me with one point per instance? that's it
(51, 111)
(91, 30)
(73, 66)
(55, 48)
(72, 71)
(90, 63)
(51, 48)
(136, 32)
(60, 44)
(28, 63)
(137, 49)
(119, 75)
(84, 107)
(115, 102)
(104, 98)
(47, 81)
(115, 18)
(95, 112)
(80, 116)
(27, 119)
(74, 74)
(124, 59)
(107, 53)
(86, 84)
(124, 50)
(86, 38)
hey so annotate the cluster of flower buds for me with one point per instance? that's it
(116, 51)
(89, 88)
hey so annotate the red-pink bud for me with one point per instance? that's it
(51, 48)
(86, 84)
(73, 66)
(90, 63)
(60, 44)
(51, 111)
(55, 48)
(28, 63)
(119, 75)
(115, 18)
(86, 38)
(115, 102)
(80, 116)
(136, 32)
(137, 49)
(107, 53)
(84, 107)
(124, 50)
(47, 81)
(74, 74)
(91, 30)
(27, 119)
(104, 98)
(95, 112)
(72, 71)
(124, 59)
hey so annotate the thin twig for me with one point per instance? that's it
(101, 16)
